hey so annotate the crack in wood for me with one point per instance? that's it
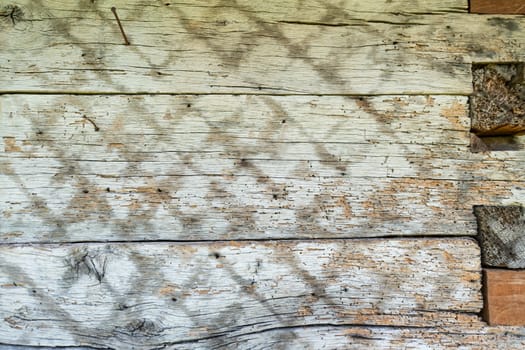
(13, 13)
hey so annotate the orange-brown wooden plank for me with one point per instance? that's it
(516, 7)
(504, 297)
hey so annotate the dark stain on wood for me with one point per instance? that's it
(12, 14)
(82, 261)
(139, 328)
(504, 23)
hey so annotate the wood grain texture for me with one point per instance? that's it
(474, 336)
(504, 294)
(501, 235)
(150, 295)
(510, 7)
(252, 167)
(269, 47)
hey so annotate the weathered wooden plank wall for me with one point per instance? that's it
(277, 174)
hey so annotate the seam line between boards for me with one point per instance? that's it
(245, 240)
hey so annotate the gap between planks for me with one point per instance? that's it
(192, 93)
(305, 239)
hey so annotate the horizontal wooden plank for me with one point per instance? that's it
(110, 295)
(329, 337)
(284, 47)
(500, 6)
(229, 167)
(210, 209)
(353, 337)
(504, 295)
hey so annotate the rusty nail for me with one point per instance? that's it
(114, 10)
(92, 122)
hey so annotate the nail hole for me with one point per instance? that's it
(85, 191)
(123, 307)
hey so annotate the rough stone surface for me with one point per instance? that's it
(498, 103)
(502, 235)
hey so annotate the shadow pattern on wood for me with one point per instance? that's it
(196, 168)
(167, 294)
(234, 47)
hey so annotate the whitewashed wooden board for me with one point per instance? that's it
(262, 47)
(475, 335)
(469, 334)
(149, 295)
(251, 167)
